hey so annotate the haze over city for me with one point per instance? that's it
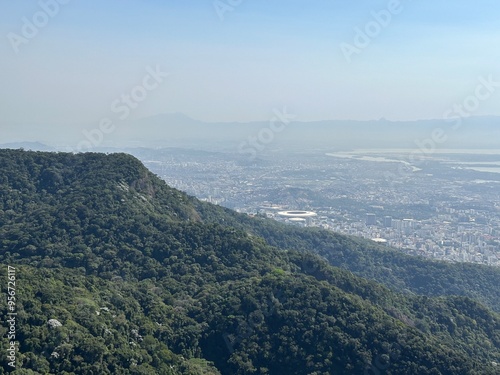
(349, 106)
(66, 65)
(243, 187)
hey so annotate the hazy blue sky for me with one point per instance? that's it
(261, 55)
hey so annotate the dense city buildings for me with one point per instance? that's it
(446, 207)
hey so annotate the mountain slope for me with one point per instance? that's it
(364, 258)
(143, 279)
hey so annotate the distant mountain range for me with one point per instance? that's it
(32, 146)
(473, 132)
(283, 130)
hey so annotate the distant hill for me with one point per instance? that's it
(29, 146)
(120, 274)
(178, 129)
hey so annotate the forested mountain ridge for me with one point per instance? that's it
(369, 260)
(146, 280)
(392, 268)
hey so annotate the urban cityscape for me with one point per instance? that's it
(446, 208)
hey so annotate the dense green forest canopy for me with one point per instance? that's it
(143, 279)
